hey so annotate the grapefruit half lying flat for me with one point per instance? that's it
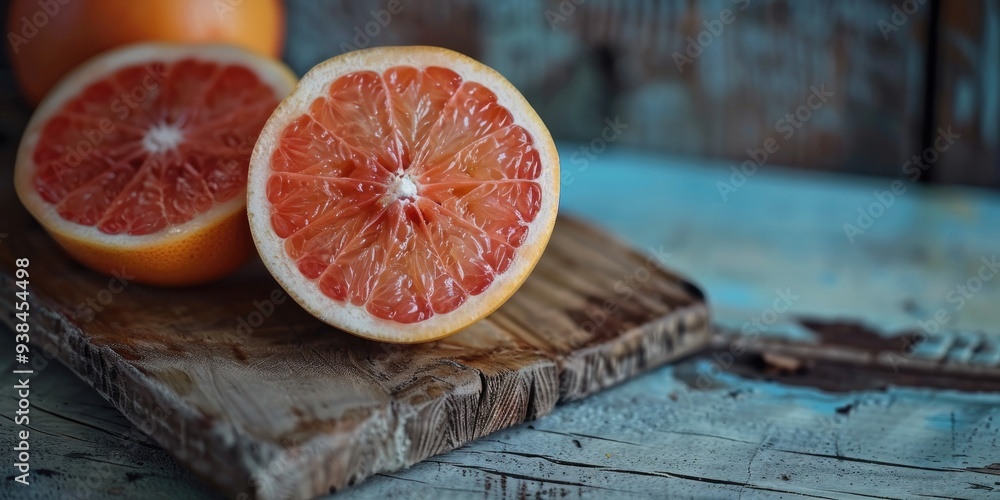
(136, 162)
(402, 193)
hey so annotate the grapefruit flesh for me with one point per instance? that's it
(139, 160)
(403, 200)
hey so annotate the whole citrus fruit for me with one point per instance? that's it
(48, 38)
(136, 162)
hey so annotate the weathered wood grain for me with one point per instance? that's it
(676, 77)
(258, 397)
(967, 96)
(846, 356)
(781, 230)
(82, 447)
(661, 437)
(657, 435)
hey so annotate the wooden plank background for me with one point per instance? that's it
(967, 97)
(581, 62)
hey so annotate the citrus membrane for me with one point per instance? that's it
(407, 190)
(152, 145)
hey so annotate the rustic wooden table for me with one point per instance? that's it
(823, 407)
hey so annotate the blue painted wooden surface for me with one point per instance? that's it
(786, 230)
(658, 435)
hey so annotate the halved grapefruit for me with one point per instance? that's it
(136, 162)
(402, 193)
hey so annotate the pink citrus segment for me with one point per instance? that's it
(406, 192)
(416, 99)
(152, 145)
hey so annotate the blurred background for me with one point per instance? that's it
(714, 78)
(857, 86)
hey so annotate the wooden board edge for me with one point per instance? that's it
(343, 464)
(676, 335)
(583, 224)
(319, 465)
(108, 373)
(329, 463)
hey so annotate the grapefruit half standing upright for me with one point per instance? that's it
(136, 162)
(402, 193)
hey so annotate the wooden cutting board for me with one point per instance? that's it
(262, 400)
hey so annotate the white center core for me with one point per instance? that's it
(402, 188)
(162, 138)
(405, 188)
